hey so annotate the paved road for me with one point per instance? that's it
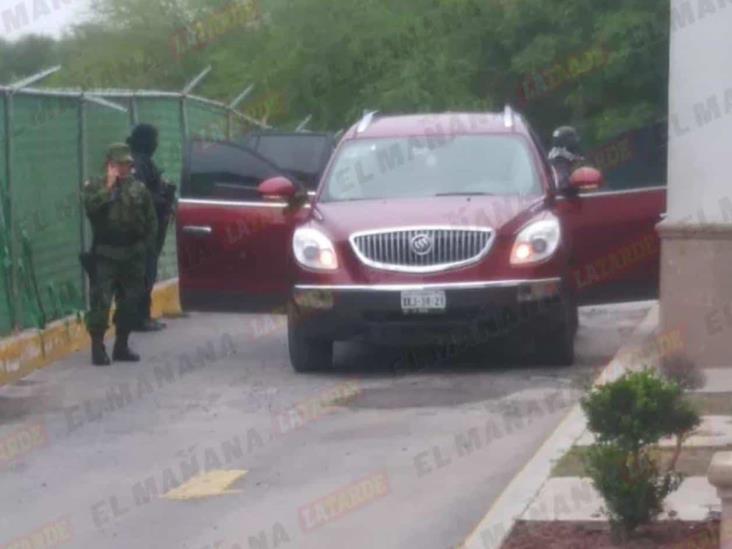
(385, 451)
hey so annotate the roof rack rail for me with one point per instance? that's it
(508, 116)
(365, 122)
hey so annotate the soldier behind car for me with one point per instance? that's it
(144, 142)
(124, 228)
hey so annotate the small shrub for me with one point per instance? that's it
(633, 490)
(628, 416)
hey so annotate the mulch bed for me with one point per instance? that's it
(596, 535)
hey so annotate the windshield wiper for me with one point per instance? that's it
(465, 194)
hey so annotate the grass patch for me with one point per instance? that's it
(570, 464)
(693, 462)
(712, 404)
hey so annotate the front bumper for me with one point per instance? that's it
(474, 311)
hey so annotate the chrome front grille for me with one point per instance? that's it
(422, 249)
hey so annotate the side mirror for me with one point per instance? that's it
(586, 179)
(277, 188)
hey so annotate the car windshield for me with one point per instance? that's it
(415, 167)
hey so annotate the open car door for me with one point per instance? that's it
(616, 250)
(233, 245)
(615, 245)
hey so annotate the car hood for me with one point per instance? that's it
(498, 212)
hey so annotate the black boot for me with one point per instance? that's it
(149, 325)
(99, 353)
(122, 350)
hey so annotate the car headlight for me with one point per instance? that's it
(314, 250)
(536, 242)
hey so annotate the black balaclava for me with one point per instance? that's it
(144, 139)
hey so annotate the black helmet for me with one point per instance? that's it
(566, 137)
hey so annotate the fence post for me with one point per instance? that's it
(229, 124)
(134, 113)
(183, 123)
(83, 175)
(6, 210)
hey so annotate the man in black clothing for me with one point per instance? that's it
(143, 142)
(565, 154)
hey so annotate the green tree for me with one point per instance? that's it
(598, 64)
(26, 56)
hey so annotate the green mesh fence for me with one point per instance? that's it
(45, 189)
(42, 226)
(5, 262)
(103, 125)
(206, 121)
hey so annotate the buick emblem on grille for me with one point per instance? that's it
(421, 244)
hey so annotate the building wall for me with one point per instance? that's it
(696, 264)
(700, 112)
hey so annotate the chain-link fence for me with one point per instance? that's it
(52, 142)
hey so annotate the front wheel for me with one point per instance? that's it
(306, 354)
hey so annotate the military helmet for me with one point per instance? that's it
(119, 153)
(566, 137)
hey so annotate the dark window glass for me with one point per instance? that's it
(303, 156)
(224, 171)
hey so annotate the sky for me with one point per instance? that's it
(50, 17)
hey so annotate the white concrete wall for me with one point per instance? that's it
(700, 112)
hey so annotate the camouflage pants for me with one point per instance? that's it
(125, 282)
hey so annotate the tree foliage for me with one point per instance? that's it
(599, 64)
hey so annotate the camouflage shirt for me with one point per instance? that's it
(123, 220)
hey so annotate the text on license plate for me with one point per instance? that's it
(423, 300)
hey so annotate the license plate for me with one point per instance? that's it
(423, 301)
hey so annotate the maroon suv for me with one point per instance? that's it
(415, 229)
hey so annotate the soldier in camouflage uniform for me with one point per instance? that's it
(124, 225)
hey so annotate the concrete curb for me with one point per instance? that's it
(33, 349)
(518, 495)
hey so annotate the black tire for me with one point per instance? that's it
(574, 311)
(307, 355)
(555, 347)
